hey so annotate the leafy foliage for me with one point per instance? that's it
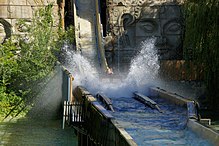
(202, 42)
(67, 36)
(8, 69)
(25, 60)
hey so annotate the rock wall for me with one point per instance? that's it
(13, 10)
(130, 22)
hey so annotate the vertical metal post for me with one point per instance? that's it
(64, 115)
(118, 53)
(68, 89)
(71, 89)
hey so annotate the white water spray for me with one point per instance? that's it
(142, 73)
(144, 67)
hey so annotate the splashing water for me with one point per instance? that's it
(82, 70)
(146, 126)
(143, 71)
(144, 67)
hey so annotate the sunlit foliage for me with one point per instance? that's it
(28, 58)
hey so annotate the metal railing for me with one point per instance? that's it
(73, 113)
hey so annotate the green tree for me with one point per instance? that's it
(202, 42)
(26, 60)
(8, 69)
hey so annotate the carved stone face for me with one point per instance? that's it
(165, 24)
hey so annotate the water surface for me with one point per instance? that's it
(150, 127)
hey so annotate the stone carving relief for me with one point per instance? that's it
(146, 18)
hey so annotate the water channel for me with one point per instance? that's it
(146, 126)
(150, 127)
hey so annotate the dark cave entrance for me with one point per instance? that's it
(69, 13)
(103, 15)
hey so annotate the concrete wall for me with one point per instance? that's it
(13, 10)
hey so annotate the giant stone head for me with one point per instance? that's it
(164, 22)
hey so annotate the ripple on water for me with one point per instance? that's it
(150, 127)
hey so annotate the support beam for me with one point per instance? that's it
(61, 4)
(101, 50)
(71, 89)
